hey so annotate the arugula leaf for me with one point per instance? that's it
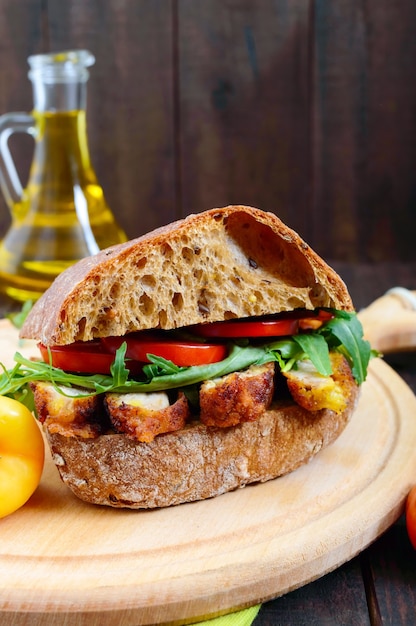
(118, 370)
(285, 351)
(158, 365)
(316, 349)
(345, 332)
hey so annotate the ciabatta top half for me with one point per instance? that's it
(225, 263)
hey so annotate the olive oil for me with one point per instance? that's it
(62, 215)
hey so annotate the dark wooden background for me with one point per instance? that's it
(305, 108)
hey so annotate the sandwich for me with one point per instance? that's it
(209, 354)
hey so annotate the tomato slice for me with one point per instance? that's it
(249, 328)
(85, 358)
(286, 324)
(182, 353)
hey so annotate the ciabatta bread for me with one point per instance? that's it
(221, 264)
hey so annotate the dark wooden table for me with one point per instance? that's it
(378, 587)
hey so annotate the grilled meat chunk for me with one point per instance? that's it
(226, 401)
(142, 416)
(67, 415)
(237, 397)
(313, 392)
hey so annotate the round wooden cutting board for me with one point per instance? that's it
(66, 562)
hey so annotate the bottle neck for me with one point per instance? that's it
(59, 80)
(59, 96)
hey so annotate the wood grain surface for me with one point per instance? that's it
(61, 559)
(303, 108)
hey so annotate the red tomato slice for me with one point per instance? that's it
(249, 328)
(286, 324)
(182, 353)
(86, 358)
(411, 516)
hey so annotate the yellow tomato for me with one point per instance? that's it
(22, 454)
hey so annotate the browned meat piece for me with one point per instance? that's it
(67, 415)
(313, 391)
(142, 416)
(238, 397)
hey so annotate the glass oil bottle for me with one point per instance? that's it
(61, 215)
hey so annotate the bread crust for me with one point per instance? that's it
(229, 262)
(197, 462)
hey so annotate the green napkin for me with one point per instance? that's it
(240, 618)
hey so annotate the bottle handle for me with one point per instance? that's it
(10, 183)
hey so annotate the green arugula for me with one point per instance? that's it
(343, 333)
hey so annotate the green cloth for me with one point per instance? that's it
(240, 618)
